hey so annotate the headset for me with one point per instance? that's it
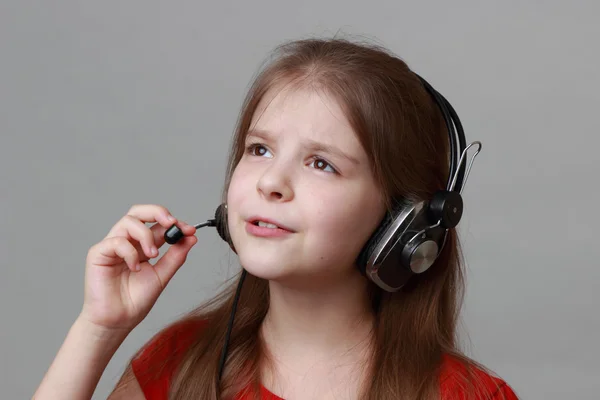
(410, 237)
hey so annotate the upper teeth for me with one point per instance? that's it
(266, 225)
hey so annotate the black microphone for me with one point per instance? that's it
(174, 234)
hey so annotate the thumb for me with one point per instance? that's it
(174, 258)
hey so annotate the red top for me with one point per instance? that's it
(174, 341)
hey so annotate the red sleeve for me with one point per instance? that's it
(489, 387)
(154, 366)
(505, 393)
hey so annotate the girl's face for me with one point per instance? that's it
(305, 172)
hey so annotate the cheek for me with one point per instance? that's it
(345, 222)
(337, 218)
(237, 192)
(336, 238)
(239, 186)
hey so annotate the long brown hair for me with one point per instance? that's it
(402, 131)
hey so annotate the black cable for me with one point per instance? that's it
(230, 324)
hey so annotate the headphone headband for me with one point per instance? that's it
(455, 135)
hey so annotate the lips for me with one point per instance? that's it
(267, 223)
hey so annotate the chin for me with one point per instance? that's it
(262, 264)
(276, 269)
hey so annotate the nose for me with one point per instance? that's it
(275, 185)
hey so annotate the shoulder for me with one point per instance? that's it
(155, 363)
(457, 381)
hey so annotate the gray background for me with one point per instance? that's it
(107, 104)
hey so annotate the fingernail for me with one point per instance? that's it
(154, 251)
(171, 218)
(138, 267)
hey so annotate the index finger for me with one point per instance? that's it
(152, 213)
(160, 214)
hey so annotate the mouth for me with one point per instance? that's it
(268, 223)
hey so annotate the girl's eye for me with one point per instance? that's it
(257, 149)
(323, 165)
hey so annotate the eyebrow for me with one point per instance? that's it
(311, 144)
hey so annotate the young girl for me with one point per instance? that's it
(332, 136)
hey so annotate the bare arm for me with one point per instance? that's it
(121, 286)
(80, 362)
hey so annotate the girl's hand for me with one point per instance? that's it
(121, 286)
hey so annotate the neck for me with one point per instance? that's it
(318, 323)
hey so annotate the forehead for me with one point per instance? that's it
(305, 113)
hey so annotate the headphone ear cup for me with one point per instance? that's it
(369, 247)
(395, 251)
(222, 224)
